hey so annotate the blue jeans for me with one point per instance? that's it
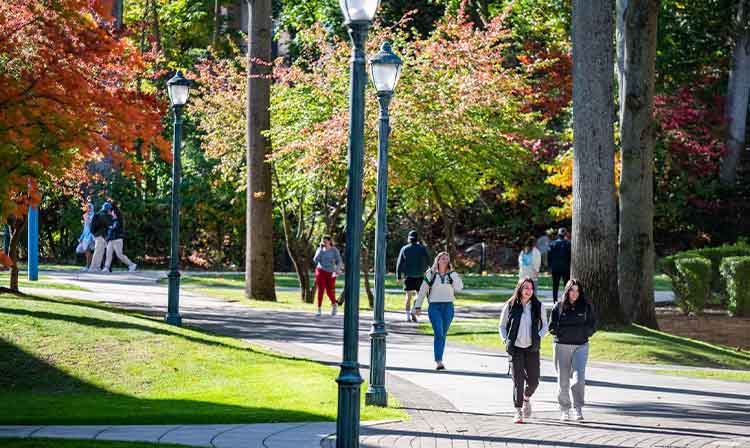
(441, 316)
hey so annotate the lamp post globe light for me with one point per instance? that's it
(179, 90)
(358, 15)
(385, 69)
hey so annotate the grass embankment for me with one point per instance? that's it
(631, 344)
(43, 282)
(75, 362)
(232, 289)
(59, 443)
(471, 281)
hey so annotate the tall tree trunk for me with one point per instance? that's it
(259, 229)
(594, 208)
(637, 21)
(215, 36)
(738, 92)
(17, 226)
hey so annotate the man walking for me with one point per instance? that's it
(99, 227)
(559, 261)
(114, 241)
(411, 265)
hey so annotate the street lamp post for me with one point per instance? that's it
(385, 69)
(358, 15)
(179, 90)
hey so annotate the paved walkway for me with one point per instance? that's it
(468, 405)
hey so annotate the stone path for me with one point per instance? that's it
(468, 405)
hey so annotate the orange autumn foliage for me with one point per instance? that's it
(67, 95)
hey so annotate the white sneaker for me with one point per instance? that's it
(519, 416)
(333, 310)
(578, 415)
(132, 267)
(565, 415)
(526, 408)
(319, 313)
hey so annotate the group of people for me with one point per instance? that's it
(549, 254)
(102, 238)
(523, 321)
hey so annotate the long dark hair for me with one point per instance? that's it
(566, 294)
(516, 297)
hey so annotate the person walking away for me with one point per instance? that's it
(439, 285)
(572, 322)
(328, 263)
(529, 260)
(99, 227)
(86, 240)
(559, 261)
(115, 236)
(523, 324)
(411, 264)
(542, 243)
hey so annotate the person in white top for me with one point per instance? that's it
(523, 324)
(439, 286)
(529, 261)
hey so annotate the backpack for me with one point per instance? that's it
(431, 281)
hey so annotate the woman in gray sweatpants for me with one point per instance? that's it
(572, 323)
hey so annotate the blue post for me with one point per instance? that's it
(33, 244)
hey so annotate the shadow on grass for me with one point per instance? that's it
(159, 328)
(35, 392)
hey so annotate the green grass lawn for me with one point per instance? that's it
(632, 344)
(290, 300)
(43, 282)
(60, 443)
(471, 281)
(72, 362)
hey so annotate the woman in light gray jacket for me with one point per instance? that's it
(439, 286)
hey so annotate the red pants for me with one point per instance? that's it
(325, 281)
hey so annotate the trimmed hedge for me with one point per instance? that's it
(714, 254)
(736, 272)
(694, 283)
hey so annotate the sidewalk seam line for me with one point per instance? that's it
(281, 431)
(100, 432)
(158, 441)
(224, 432)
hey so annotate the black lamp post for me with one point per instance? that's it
(385, 69)
(358, 15)
(179, 90)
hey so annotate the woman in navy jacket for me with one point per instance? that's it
(572, 323)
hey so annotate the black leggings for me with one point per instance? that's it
(525, 373)
(556, 277)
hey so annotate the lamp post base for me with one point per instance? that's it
(173, 319)
(376, 396)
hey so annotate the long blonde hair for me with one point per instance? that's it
(434, 267)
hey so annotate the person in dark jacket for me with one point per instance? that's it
(523, 324)
(99, 227)
(559, 261)
(115, 235)
(411, 264)
(572, 322)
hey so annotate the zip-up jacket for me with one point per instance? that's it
(574, 325)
